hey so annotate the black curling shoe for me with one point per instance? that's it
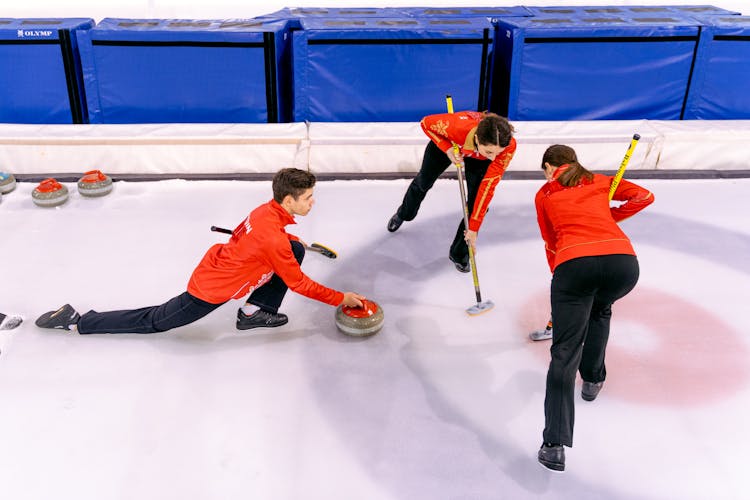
(552, 456)
(394, 223)
(62, 319)
(463, 267)
(590, 390)
(260, 319)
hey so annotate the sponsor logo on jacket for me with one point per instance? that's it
(262, 281)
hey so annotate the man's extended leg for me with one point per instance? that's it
(178, 311)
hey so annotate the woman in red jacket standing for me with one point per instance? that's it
(486, 146)
(593, 265)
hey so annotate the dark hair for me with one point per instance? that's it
(559, 155)
(291, 181)
(494, 129)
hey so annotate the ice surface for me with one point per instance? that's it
(437, 405)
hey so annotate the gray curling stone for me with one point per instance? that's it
(49, 193)
(360, 321)
(7, 182)
(94, 183)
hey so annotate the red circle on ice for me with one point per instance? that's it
(684, 354)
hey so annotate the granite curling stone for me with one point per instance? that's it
(94, 183)
(360, 321)
(7, 182)
(49, 193)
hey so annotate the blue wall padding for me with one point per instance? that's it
(640, 10)
(593, 68)
(719, 87)
(388, 69)
(185, 71)
(295, 14)
(40, 71)
(489, 12)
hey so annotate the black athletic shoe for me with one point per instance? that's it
(590, 390)
(394, 223)
(463, 267)
(62, 319)
(9, 322)
(552, 457)
(260, 319)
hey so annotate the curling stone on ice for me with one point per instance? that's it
(94, 183)
(7, 182)
(49, 193)
(360, 321)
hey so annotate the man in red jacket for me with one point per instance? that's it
(260, 259)
(486, 146)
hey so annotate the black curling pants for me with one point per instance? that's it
(434, 163)
(179, 311)
(582, 293)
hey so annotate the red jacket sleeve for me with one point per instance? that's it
(487, 187)
(284, 264)
(635, 197)
(548, 232)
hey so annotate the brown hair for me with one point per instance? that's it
(292, 182)
(494, 130)
(559, 155)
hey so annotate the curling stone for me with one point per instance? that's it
(49, 193)
(360, 321)
(7, 182)
(94, 183)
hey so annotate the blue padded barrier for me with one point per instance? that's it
(388, 69)
(702, 10)
(491, 13)
(295, 14)
(722, 69)
(593, 68)
(488, 12)
(40, 71)
(641, 10)
(186, 71)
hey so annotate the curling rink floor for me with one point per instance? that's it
(437, 405)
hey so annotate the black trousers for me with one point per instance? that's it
(179, 311)
(434, 163)
(582, 293)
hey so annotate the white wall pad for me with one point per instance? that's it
(172, 149)
(704, 145)
(355, 149)
(373, 148)
(599, 144)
